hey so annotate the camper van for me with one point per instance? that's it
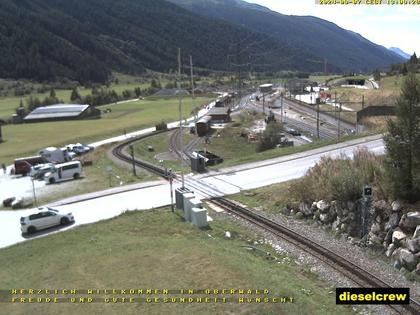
(65, 171)
(55, 155)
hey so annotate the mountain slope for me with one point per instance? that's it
(86, 40)
(400, 52)
(343, 49)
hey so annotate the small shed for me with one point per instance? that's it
(266, 88)
(219, 114)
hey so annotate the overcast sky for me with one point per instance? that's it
(387, 25)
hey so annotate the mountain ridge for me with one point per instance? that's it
(344, 49)
(400, 52)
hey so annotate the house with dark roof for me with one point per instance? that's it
(219, 114)
(59, 112)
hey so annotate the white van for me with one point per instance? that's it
(60, 172)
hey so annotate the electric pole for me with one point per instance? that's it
(338, 118)
(325, 66)
(192, 78)
(180, 115)
(195, 113)
(317, 118)
(132, 159)
(281, 104)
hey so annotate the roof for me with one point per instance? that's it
(219, 111)
(57, 111)
(268, 85)
(204, 119)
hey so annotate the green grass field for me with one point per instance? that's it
(9, 103)
(158, 250)
(27, 139)
(228, 144)
(322, 78)
(161, 144)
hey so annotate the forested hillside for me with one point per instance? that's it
(86, 40)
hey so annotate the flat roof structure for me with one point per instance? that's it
(57, 112)
(219, 111)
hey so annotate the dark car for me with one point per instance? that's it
(293, 132)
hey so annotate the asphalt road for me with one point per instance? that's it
(217, 183)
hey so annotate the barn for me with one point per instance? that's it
(59, 112)
(219, 114)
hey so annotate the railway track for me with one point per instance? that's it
(358, 275)
(119, 153)
(325, 133)
(174, 144)
(328, 118)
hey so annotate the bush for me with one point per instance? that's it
(270, 137)
(342, 179)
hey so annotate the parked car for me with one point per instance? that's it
(38, 171)
(60, 172)
(80, 149)
(45, 218)
(292, 131)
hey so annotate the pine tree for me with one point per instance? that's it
(413, 59)
(403, 142)
(377, 75)
(404, 69)
(75, 96)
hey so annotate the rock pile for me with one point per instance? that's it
(387, 227)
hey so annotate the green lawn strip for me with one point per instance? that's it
(237, 150)
(156, 249)
(161, 144)
(272, 198)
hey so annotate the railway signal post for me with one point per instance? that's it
(132, 158)
(170, 177)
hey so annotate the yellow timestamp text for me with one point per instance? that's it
(367, 2)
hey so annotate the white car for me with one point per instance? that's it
(45, 218)
(38, 171)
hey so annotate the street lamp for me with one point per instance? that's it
(170, 188)
(33, 191)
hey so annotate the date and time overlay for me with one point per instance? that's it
(368, 2)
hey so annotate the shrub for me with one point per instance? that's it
(342, 179)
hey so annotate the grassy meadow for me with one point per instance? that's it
(158, 250)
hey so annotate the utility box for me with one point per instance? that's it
(179, 197)
(188, 205)
(198, 164)
(199, 217)
(195, 203)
